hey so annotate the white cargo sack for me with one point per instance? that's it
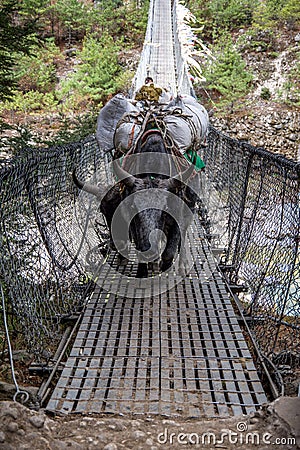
(190, 128)
(108, 118)
(199, 116)
(180, 130)
(118, 125)
(126, 133)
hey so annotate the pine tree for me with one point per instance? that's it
(16, 36)
(227, 72)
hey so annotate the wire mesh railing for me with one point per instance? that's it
(252, 200)
(184, 85)
(40, 271)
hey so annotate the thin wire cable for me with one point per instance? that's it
(24, 396)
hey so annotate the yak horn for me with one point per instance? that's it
(87, 187)
(127, 178)
(182, 177)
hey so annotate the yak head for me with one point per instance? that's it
(136, 208)
(145, 208)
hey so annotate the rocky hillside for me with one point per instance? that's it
(269, 116)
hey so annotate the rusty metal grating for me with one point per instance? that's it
(179, 353)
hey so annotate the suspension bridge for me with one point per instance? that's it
(189, 349)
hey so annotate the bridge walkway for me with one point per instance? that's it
(161, 62)
(180, 353)
(158, 58)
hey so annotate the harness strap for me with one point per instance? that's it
(131, 136)
(156, 116)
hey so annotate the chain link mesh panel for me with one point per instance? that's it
(251, 196)
(42, 276)
(252, 199)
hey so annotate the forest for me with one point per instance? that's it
(61, 60)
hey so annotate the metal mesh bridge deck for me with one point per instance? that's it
(179, 353)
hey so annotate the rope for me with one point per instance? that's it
(20, 394)
(157, 115)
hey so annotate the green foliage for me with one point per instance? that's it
(231, 14)
(22, 137)
(16, 36)
(273, 8)
(262, 19)
(291, 11)
(292, 86)
(98, 74)
(215, 15)
(34, 9)
(31, 101)
(102, 30)
(135, 22)
(223, 14)
(110, 3)
(73, 15)
(265, 93)
(74, 129)
(257, 38)
(227, 73)
(270, 12)
(17, 137)
(122, 21)
(37, 71)
(124, 81)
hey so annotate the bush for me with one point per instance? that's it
(38, 70)
(265, 93)
(122, 21)
(269, 13)
(74, 129)
(291, 11)
(233, 13)
(16, 137)
(31, 101)
(292, 85)
(21, 137)
(16, 38)
(98, 74)
(227, 73)
(257, 38)
(74, 16)
(223, 14)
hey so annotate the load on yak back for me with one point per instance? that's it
(154, 147)
(122, 121)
